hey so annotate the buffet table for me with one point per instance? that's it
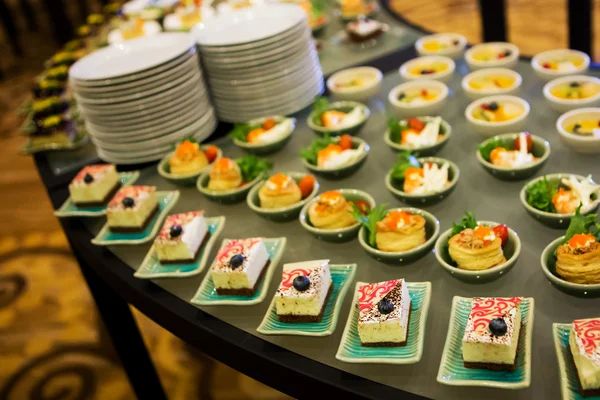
(304, 366)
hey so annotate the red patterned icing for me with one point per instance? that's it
(130, 191)
(588, 332)
(287, 280)
(233, 247)
(483, 310)
(93, 170)
(177, 219)
(370, 294)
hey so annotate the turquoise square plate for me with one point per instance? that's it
(342, 276)
(207, 294)
(351, 351)
(151, 268)
(69, 209)
(166, 201)
(452, 370)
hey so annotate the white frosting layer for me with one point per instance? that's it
(245, 276)
(587, 369)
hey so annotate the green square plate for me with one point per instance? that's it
(569, 383)
(207, 294)
(151, 268)
(166, 201)
(69, 209)
(341, 275)
(452, 370)
(351, 351)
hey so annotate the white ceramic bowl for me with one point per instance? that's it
(564, 105)
(505, 62)
(423, 62)
(361, 93)
(402, 110)
(475, 94)
(540, 59)
(581, 144)
(452, 52)
(488, 128)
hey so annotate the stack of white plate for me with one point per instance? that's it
(140, 97)
(260, 61)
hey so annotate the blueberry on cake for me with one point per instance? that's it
(181, 237)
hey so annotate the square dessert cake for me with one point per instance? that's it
(384, 314)
(181, 237)
(132, 208)
(303, 292)
(584, 342)
(239, 266)
(94, 185)
(491, 336)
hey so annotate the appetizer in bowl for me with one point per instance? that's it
(493, 54)
(353, 9)
(332, 216)
(513, 156)
(424, 181)
(497, 114)
(335, 158)
(317, 18)
(553, 199)
(425, 135)
(229, 181)
(477, 251)
(571, 92)
(399, 235)
(491, 81)
(263, 135)
(338, 117)
(355, 84)
(418, 98)
(555, 63)
(282, 196)
(442, 44)
(580, 129)
(437, 68)
(189, 160)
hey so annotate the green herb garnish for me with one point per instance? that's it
(252, 166)
(240, 131)
(486, 148)
(370, 220)
(396, 127)
(539, 195)
(467, 222)
(319, 107)
(582, 224)
(405, 161)
(310, 153)
(318, 7)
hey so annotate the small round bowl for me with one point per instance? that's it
(443, 76)
(505, 62)
(432, 230)
(345, 171)
(424, 199)
(548, 262)
(564, 105)
(267, 148)
(228, 196)
(284, 213)
(541, 150)
(425, 151)
(489, 128)
(345, 106)
(336, 235)
(187, 179)
(361, 93)
(452, 52)
(540, 59)
(475, 94)
(402, 110)
(511, 250)
(553, 220)
(581, 144)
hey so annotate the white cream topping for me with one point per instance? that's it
(428, 136)
(434, 178)
(352, 118)
(583, 190)
(366, 27)
(346, 157)
(276, 133)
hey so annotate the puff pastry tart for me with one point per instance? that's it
(400, 231)
(225, 175)
(578, 260)
(279, 191)
(331, 211)
(476, 249)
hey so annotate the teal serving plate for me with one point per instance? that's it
(554, 220)
(207, 294)
(281, 214)
(261, 149)
(228, 196)
(432, 230)
(345, 171)
(548, 262)
(342, 276)
(339, 235)
(452, 370)
(151, 267)
(396, 186)
(166, 201)
(351, 351)
(425, 151)
(314, 120)
(541, 150)
(512, 250)
(187, 179)
(569, 381)
(69, 209)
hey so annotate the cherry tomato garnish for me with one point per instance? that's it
(363, 206)
(529, 141)
(501, 231)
